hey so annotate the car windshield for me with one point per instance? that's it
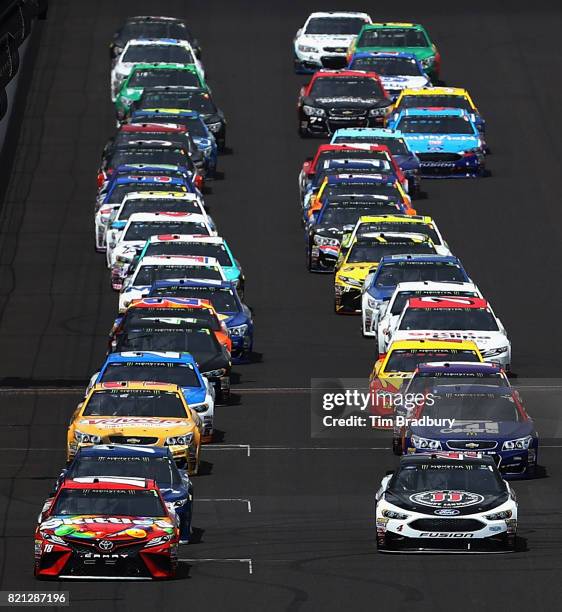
(346, 87)
(123, 189)
(142, 230)
(396, 146)
(402, 298)
(147, 155)
(194, 100)
(387, 66)
(407, 360)
(135, 403)
(223, 300)
(471, 406)
(447, 476)
(109, 502)
(480, 319)
(435, 101)
(200, 316)
(148, 274)
(435, 125)
(157, 205)
(154, 29)
(161, 469)
(403, 272)
(389, 226)
(370, 251)
(147, 54)
(334, 25)
(179, 374)
(392, 37)
(152, 77)
(193, 249)
(359, 188)
(201, 343)
(340, 212)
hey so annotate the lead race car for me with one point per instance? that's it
(446, 502)
(107, 527)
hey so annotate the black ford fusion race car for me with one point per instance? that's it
(342, 99)
(456, 502)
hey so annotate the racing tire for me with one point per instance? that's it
(397, 446)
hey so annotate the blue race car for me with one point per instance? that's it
(446, 140)
(173, 368)
(397, 71)
(225, 300)
(397, 145)
(483, 417)
(133, 461)
(198, 130)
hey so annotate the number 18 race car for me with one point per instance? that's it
(109, 528)
(455, 502)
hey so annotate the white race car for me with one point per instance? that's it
(151, 51)
(323, 40)
(455, 318)
(165, 267)
(446, 502)
(384, 322)
(140, 226)
(116, 215)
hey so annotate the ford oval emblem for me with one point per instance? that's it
(447, 512)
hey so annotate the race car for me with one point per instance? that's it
(390, 312)
(150, 75)
(133, 461)
(409, 38)
(171, 368)
(455, 317)
(199, 100)
(146, 413)
(197, 129)
(440, 97)
(341, 98)
(142, 26)
(326, 154)
(446, 141)
(126, 242)
(151, 51)
(180, 336)
(201, 246)
(164, 267)
(486, 418)
(363, 257)
(225, 300)
(108, 528)
(406, 159)
(446, 502)
(393, 270)
(396, 70)
(196, 311)
(323, 40)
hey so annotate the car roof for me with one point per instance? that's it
(336, 74)
(179, 260)
(446, 457)
(338, 14)
(108, 482)
(435, 91)
(385, 54)
(180, 217)
(161, 195)
(434, 286)
(189, 282)
(123, 450)
(151, 356)
(434, 112)
(463, 367)
(448, 344)
(420, 257)
(447, 302)
(134, 386)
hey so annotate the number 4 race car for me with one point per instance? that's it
(104, 527)
(455, 502)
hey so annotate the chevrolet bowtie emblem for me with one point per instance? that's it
(472, 445)
(133, 440)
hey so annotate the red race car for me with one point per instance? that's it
(106, 528)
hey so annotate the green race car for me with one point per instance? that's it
(153, 75)
(401, 38)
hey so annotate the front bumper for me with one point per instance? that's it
(309, 63)
(326, 126)
(323, 258)
(451, 166)
(347, 300)
(241, 347)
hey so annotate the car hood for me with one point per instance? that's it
(357, 271)
(419, 52)
(441, 143)
(485, 430)
(131, 426)
(347, 102)
(120, 530)
(232, 320)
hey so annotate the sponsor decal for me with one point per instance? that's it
(447, 499)
(112, 423)
(437, 534)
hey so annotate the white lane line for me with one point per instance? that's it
(222, 447)
(217, 560)
(227, 499)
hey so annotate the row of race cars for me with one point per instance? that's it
(440, 381)
(123, 504)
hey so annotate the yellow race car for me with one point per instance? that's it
(363, 256)
(147, 413)
(399, 363)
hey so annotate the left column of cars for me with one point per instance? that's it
(123, 504)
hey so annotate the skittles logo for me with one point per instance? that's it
(91, 527)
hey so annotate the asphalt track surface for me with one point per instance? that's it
(308, 542)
